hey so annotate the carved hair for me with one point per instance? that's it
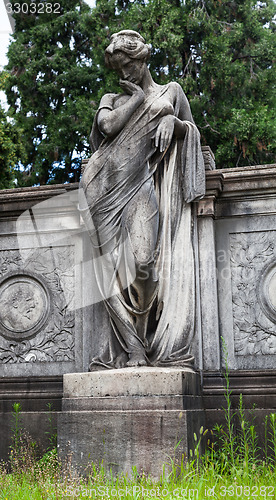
(130, 43)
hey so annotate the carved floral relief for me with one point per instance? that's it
(253, 278)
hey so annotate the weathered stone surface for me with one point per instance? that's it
(239, 213)
(41, 247)
(209, 158)
(169, 402)
(145, 381)
(244, 220)
(208, 292)
(122, 440)
(132, 417)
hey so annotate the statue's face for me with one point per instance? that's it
(128, 69)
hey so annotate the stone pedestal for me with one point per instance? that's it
(134, 417)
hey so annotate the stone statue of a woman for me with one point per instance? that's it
(145, 170)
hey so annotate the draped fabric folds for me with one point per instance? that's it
(121, 172)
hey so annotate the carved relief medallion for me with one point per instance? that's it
(37, 315)
(24, 306)
(267, 291)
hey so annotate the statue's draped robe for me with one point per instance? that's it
(118, 169)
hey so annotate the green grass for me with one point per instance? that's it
(227, 470)
(45, 479)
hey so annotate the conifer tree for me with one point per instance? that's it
(221, 53)
(232, 79)
(11, 146)
(51, 90)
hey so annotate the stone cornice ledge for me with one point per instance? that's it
(20, 199)
(225, 183)
(36, 191)
(232, 182)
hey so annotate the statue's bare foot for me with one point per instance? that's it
(136, 361)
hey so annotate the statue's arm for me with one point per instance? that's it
(110, 122)
(184, 113)
(171, 124)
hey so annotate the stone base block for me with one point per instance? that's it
(141, 418)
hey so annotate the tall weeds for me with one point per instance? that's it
(234, 447)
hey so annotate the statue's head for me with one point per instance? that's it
(129, 43)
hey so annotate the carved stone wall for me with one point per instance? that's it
(36, 321)
(46, 307)
(47, 312)
(41, 247)
(240, 209)
(253, 279)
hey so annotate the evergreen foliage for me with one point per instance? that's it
(11, 147)
(221, 52)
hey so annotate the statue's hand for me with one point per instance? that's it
(133, 90)
(164, 132)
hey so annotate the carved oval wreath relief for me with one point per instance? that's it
(24, 306)
(267, 292)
